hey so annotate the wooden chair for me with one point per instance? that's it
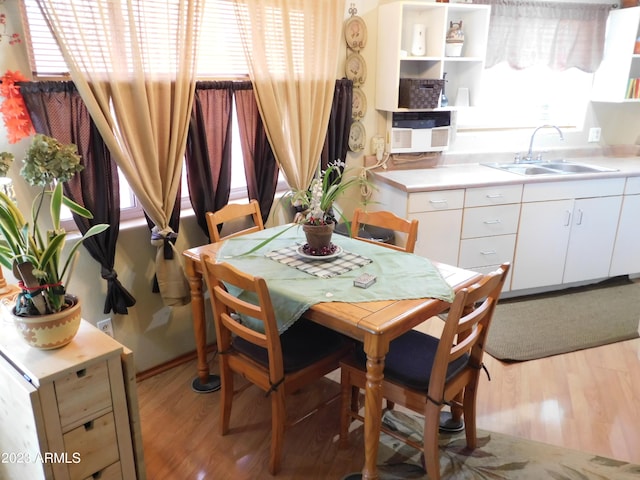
(235, 212)
(278, 364)
(385, 219)
(423, 373)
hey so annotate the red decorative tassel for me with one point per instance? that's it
(14, 112)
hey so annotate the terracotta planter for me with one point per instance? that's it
(51, 331)
(318, 237)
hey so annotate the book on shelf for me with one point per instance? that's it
(633, 89)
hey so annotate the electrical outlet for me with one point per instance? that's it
(106, 326)
(594, 134)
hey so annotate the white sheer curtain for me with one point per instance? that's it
(133, 63)
(559, 35)
(292, 47)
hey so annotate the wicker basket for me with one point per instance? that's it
(419, 93)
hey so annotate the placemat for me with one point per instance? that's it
(323, 268)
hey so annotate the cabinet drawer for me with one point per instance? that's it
(112, 472)
(488, 221)
(542, 192)
(497, 195)
(82, 395)
(434, 201)
(480, 252)
(96, 443)
(633, 186)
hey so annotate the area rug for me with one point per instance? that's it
(498, 457)
(541, 325)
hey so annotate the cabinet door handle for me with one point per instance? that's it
(495, 195)
(580, 214)
(488, 252)
(567, 218)
(438, 202)
(492, 222)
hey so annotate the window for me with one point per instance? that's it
(221, 55)
(510, 98)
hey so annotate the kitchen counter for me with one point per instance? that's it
(447, 177)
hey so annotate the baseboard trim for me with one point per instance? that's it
(163, 367)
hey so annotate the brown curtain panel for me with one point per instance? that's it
(57, 110)
(260, 166)
(208, 152)
(337, 142)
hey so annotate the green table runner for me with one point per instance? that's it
(399, 275)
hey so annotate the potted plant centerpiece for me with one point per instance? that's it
(315, 207)
(35, 254)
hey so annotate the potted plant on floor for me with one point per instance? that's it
(35, 255)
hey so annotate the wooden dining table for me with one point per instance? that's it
(375, 323)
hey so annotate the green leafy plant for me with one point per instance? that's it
(35, 255)
(316, 204)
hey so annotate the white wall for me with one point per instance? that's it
(135, 256)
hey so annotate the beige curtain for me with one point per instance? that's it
(292, 48)
(561, 35)
(134, 64)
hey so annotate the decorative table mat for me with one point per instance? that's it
(323, 268)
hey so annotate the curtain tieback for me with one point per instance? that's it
(165, 238)
(108, 274)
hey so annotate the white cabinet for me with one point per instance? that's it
(396, 22)
(626, 253)
(619, 63)
(554, 233)
(489, 227)
(483, 241)
(567, 232)
(593, 234)
(439, 215)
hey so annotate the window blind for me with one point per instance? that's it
(220, 48)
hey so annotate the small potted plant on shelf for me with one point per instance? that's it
(35, 255)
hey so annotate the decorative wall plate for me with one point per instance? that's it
(355, 33)
(357, 137)
(356, 69)
(358, 104)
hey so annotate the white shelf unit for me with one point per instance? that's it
(619, 63)
(394, 61)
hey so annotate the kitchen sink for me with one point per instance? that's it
(521, 168)
(568, 167)
(549, 168)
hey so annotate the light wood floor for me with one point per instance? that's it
(587, 400)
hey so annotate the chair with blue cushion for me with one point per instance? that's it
(364, 222)
(424, 373)
(277, 363)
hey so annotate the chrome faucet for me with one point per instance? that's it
(529, 156)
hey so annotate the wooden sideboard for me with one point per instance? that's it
(69, 413)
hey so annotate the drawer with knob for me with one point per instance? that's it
(484, 251)
(83, 395)
(488, 221)
(95, 444)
